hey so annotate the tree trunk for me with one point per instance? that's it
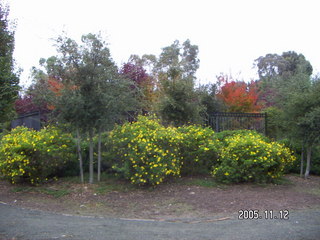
(80, 156)
(306, 175)
(99, 156)
(91, 156)
(301, 162)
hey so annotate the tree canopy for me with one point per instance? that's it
(9, 80)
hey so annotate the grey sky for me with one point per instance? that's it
(230, 33)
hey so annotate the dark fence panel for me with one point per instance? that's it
(222, 121)
(30, 120)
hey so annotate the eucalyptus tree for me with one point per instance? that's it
(177, 101)
(175, 69)
(277, 71)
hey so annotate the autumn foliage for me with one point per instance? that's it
(55, 86)
(239, 96)
(25, 104)
(141, 80)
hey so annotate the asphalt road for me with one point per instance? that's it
(24, 224)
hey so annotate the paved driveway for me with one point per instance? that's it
(23, 224)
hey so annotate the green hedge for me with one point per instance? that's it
(34, 157)
(250, 158)
(145, 152)
(199, 148)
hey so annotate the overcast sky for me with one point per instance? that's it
(230, 34)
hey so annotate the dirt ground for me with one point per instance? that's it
(186, 198)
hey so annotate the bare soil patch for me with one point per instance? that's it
(195, 197)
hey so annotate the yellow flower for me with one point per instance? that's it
(226, 174)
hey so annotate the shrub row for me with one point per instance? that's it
(145, 152)
(34, 156)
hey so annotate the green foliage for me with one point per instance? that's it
(179, 103)
(93, 92)
(9, 80)
(209, 100)
(201, 181)
(274, 119)
(34, 157)
(199, 149)
(145, 152)
(285, 65)
(84, 87)
(249, 158)
(224, 135)
(175, 71)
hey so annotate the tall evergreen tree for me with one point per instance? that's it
(85, 89)
(179, 102)
(9, 80)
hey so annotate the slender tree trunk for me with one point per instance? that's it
(301, 162)
(91, 156)
(306, 175)
(99, 156)
(80, 156)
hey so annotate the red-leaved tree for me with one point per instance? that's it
(239, 96)
(142, 81)
(25, 104)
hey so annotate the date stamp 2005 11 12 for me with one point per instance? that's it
(266, 214)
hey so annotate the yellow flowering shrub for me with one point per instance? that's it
(145, 152)
(31, 156)
(199, 149)
(248, 157)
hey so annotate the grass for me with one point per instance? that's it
(199, 181)
(22, 189)
(314, 191)
(105, 187)
(282, 181)
(57, 193)
(109, 183)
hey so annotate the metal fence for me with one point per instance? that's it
(219, 121)
(29, 120)
(222, 121)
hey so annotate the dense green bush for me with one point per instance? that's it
(145, 152)
(199, 149)
(224, 135)
(28, 155)
(250, 158)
